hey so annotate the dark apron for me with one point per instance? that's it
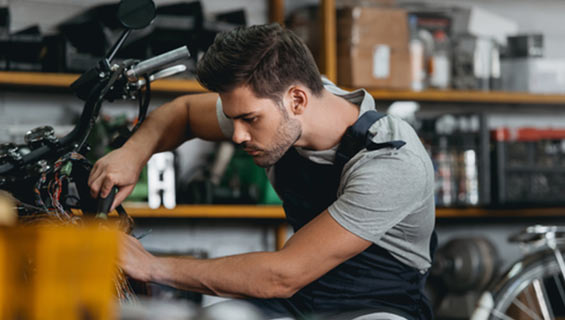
(373, 280)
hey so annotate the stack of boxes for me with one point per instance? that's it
(373, 48)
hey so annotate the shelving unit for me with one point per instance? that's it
(46, 81)
(207, 211)
(61, 81)
(277, 213)
(328, 66)
(181, 86)
(460, 96)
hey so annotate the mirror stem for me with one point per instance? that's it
(117, 47)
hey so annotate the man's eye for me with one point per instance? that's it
(250, 120)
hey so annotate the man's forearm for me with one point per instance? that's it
(246, 275)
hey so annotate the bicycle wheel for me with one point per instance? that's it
(533, 288)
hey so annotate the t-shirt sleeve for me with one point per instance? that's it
(378, 194)
(226, 125)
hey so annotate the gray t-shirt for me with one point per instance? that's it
(385, 196)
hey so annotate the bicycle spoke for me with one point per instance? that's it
(560, 262)
(525, 309)
(500, 315)
(559, 287)
(543, 302)
(530, 302)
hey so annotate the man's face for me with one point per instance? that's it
(263, 127)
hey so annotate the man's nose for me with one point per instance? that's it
(240, 135)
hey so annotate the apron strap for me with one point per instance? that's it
(356, 138)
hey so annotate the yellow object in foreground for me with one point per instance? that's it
(8, 215)
(58, 272)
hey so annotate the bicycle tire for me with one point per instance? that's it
(505, 295)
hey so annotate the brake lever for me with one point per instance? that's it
(165, 73)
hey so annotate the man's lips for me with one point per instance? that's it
(252, 152)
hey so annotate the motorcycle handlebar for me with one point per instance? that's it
(157, 63)
(145, 67)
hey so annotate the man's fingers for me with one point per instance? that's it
(95, 186)
(122, 194)
(135, 261)
(94, 173)
(107, 186)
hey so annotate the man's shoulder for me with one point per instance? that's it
(392, 128)
(409, 162)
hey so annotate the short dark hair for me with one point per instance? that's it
(268, 58)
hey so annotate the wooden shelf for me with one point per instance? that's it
(276, 212)
(207, 211)
(179, 86)
(497, 97)
(63, 81)
(499, 213)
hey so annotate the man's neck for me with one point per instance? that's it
(328, 118)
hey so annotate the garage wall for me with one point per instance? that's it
(25, 110)
(48, 13)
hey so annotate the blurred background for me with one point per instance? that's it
(483, 83)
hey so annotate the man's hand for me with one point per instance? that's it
(135, 261)
(119, 168)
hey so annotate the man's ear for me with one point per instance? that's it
(298, 99)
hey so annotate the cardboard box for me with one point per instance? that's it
(535, 75)
(371, 25)
(482, 23)
(373, 48)
(364, 3)
(378, 66)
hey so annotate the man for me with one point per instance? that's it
(360, 199)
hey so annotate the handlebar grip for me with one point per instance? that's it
(153, 64)
(104, 204)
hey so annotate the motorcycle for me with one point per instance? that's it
(48, 175)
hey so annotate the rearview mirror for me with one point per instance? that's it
(136, 14)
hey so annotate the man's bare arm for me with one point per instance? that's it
(164, 129)
(173, 123)
(315, 249)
